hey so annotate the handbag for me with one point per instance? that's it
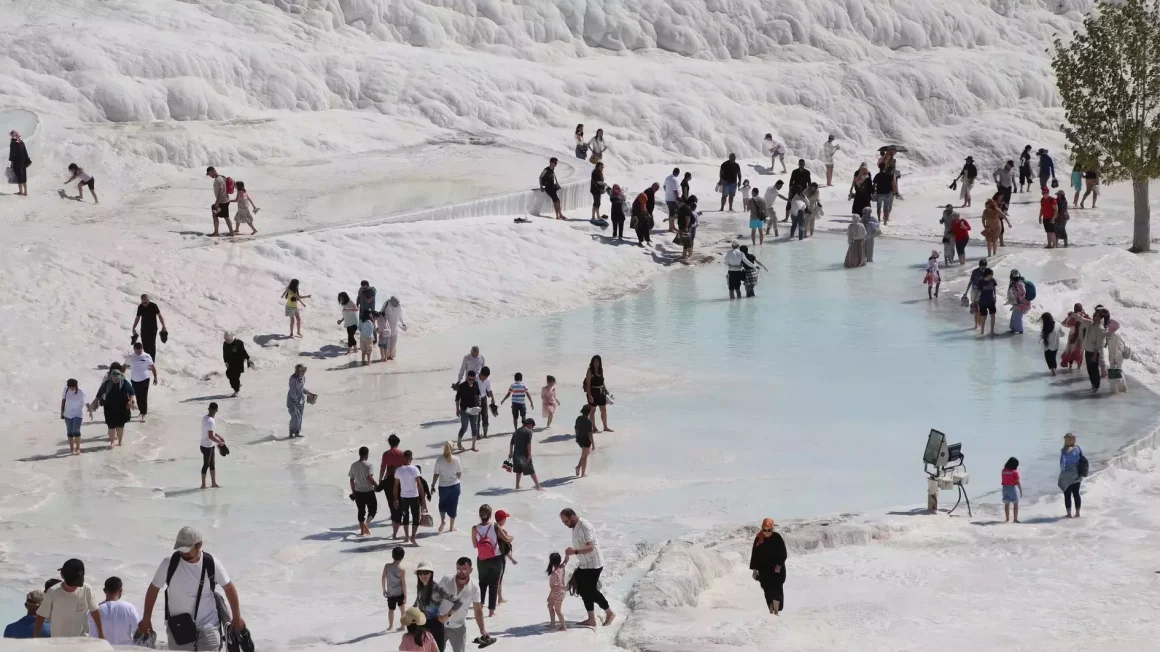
(10, 174)
(632, 222)
(1054, 182)
(964, 301)
(312, 398)
(426, 521)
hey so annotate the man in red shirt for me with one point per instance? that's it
(392, 459)
(1047, 209)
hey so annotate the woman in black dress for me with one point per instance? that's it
(18, 160)
(768, 565)
(596, 391)
(597, 189)
(862, 191)
(584, 439)
(116, 395)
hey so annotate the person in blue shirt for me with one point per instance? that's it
(23, 627)
(1046, 168)
(1069, 473)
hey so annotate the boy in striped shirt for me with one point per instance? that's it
(521, 401)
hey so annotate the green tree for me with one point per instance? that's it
(1109, 78)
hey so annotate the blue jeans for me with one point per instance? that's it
(798, 222)
(466, 419)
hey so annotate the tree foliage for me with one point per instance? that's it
(1108, 75)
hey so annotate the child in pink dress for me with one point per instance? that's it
(548, 400)
(932, 279)
(557, 585)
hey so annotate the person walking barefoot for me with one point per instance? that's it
(596, 390)
(210, 440)
(548, 400)
(293, 304)
(584, 439)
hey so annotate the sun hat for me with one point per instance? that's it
(413, 616)
(424, 567)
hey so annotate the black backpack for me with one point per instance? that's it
(1082, 466)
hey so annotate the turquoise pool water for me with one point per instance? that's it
(815, 397)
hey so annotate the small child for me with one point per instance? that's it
(72, 405)
(395, 587)
(383, 331)
(548, 400)
(1117, 353)
(244, 204)
(557, 590)
(1012, 489)
(521, 401)
(933, 280)
(366, 337)
(745, 190)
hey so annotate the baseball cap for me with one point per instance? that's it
(73, 572)
(187, 538)
(209, 169)
(502, 515)
(34, 597)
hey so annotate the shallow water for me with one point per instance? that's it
(817, 395)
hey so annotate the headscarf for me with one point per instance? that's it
(15, 135)
(229, 336)
(761, 535)
(616, 190)
(933, 254)
(1113, 326)
(394, 301)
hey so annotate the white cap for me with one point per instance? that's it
(424, 567)
(187, 538)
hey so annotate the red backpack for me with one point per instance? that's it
(229, 185)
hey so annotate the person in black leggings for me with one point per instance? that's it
(616, 198)
(209, 441)
(489, 559)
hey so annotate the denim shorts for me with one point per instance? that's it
(728, 189)
(885, 202)
(72, 426)
(519, 410)
(1010, 495)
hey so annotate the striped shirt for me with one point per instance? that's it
(519, 393)
(582, 535)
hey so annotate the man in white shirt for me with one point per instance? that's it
(828, 149)
(410, 499)
(672, 193)
(119, 618)
(736, 263)
(67, 604)
(471, 362)
(362, 490)
(1005, 181)
(141, 371)
(209, 442)
(454, 618)
(591, 562)
(190, 566)
(72, 410)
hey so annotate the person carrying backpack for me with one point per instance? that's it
(758, 213)
(1073, 467)
(195, 612)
